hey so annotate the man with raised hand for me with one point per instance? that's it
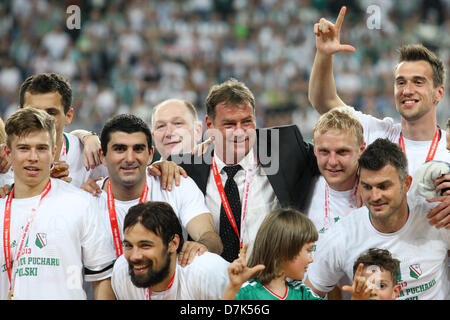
(51, 229)
(419, 78)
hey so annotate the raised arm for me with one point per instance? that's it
(322, 92)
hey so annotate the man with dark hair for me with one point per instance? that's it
(126, 151)
(52, 93)
(389, 220)
(419, 85)
(248, 172)
(51, 229)
(148, 269)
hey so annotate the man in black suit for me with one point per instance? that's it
(269, 168)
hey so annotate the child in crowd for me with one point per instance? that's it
(283, 249)
(375, 276)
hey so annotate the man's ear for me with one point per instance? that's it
(174, 243)
(208, 122)
(198, 131)
(102, 156)
(439, 94)
(407, 183)
(7, 150)
(69, 116)
(151, 153)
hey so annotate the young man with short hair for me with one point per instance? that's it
(126, 151)
(51, 229)
(338, 144)
(52, 93)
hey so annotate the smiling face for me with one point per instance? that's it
(32, 156)
(175, 130)
(149, 260)
(296, 267)
(414, 91)
(384, 194)
(127, 158)
(337, 154)
(234, 130)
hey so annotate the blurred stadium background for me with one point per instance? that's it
(127, 56)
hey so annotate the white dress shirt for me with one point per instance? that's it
(261, 197)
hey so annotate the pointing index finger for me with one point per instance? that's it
(340, 18)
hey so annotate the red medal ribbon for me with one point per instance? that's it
(226, 205)
(148, 292)
(25, 232)
(113, 217)
(433, 147)
(327, 218)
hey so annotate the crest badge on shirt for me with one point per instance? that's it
(41, 240)
(415, 271)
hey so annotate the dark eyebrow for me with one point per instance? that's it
(249, 117)
(414, 77)
(118, 145)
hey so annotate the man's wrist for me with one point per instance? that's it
(88, 134)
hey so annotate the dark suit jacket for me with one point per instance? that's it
(288, 161)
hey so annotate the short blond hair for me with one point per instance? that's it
(342, 119)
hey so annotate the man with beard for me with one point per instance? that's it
(149, 268)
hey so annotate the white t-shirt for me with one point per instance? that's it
(416, 151)
(261, 197)
(77, 171)
(206, 278)
(421, 249)
(66, 235)
(339, 204)
(186, 200)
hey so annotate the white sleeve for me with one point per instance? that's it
(190, 201)
(120, 280)
(211, 277)
(375, 128)
(327, 268)
(98, 252)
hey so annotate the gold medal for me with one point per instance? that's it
(11, 295)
